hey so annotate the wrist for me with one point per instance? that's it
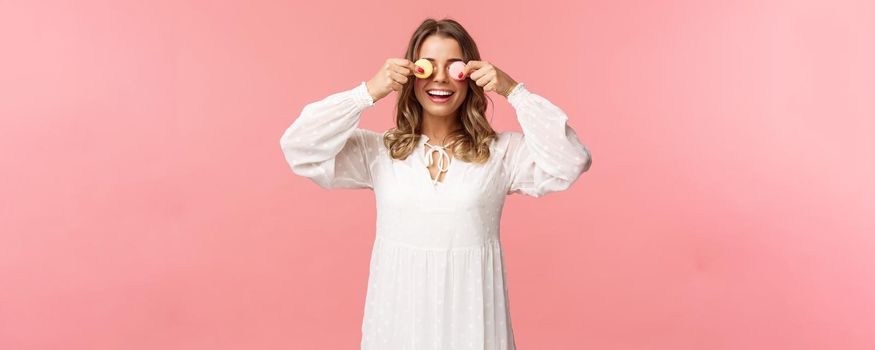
(507, 91)
(370, 92)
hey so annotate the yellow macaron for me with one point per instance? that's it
(425, 66)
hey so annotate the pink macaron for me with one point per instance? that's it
(457, 70)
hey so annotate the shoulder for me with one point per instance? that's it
(506, 143)
(369, 135)
(507, 140)
(371, 140)
(505, 136)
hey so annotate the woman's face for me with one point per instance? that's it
(441, 52)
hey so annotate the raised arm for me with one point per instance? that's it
(547, 156)
(325, 144)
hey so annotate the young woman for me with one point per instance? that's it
(440, 177)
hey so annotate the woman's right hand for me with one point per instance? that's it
(392, 76)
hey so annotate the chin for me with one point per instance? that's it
(441, 112)
(447, 110)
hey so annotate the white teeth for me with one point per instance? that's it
(440, 92)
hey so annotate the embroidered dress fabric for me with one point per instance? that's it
(437, 275)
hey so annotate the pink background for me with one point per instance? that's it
(146, 203)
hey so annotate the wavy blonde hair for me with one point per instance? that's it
(471, 142)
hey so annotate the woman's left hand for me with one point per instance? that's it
(490, 77)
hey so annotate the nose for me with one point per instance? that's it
(440, 74)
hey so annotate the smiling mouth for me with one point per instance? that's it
(439, 96)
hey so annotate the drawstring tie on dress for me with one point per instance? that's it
(442, 153)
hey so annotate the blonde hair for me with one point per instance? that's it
(471, 142)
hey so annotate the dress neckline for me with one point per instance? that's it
(445, 162)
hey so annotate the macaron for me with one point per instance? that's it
(425, 66)
(457, 70)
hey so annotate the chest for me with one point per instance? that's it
(460, 185)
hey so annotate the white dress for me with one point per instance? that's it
(436, 278)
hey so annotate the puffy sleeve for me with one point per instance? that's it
(547, 156)
(326, 145)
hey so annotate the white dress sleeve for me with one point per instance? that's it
(326, 145)
(547, 157)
